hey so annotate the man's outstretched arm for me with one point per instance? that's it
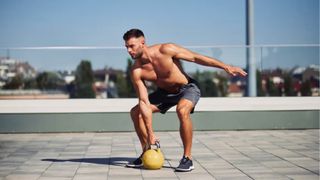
(185, 54)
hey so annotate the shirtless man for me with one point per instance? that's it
(160, 64)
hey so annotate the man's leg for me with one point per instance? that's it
(139, 124)
(184, 108)
(141, 131)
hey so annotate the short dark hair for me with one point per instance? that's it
(133, 33)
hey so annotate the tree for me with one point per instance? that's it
(210, 88)
(122, 85)
(207, 86)
(261, 92)
(288, 85)
(15, 83)
(222, 85)
(84, 81)
(30, 83)
(271, 88)
(306, 88)
(123, 82)
(48, 80)
(130, 88)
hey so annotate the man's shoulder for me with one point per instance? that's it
(135, 72)
(164, 48)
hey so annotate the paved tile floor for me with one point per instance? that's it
(274, 154)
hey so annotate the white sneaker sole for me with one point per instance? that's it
(185, 170)
(134, 166)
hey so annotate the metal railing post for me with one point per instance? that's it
(250, 51)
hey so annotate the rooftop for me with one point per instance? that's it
(263, 154)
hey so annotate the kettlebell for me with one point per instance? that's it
(153, 158)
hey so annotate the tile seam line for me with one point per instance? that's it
(224, 160)
(285, 159)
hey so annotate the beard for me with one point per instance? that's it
(138, 55)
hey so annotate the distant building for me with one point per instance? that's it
(234, 90)
(236, 86)
(67, 76)
(10, 68)
(311, 74)
(105, 82)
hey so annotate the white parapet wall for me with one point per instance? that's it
(110, 115)
(124, 105)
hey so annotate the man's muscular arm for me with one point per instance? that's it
(181, 53)
(144, 104)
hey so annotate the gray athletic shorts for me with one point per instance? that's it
(165, 100)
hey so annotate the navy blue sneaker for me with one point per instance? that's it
(136, 163)
(185, 165)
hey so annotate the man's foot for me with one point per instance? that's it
(185, 165)
(136, 163)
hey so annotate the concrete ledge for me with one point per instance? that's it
(112, 122)
(211, 114)
(124, 105)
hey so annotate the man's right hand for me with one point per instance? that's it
(151, 140)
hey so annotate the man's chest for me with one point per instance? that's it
(157, 70)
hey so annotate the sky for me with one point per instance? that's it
(36, 23)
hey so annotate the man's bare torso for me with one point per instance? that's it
(165, 71)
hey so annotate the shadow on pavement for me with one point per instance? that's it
(114, 161)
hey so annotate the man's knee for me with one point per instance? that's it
(183, 112)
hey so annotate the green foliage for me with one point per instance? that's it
(84, 72)
(122, 85)
(83, 81)
(272, 89)
(130, 88)
(306, 88)
(15, 83)
(222, 85)
(48, 80)
(30, 83)
(207, 86)
(288, 85)
(123, 82)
